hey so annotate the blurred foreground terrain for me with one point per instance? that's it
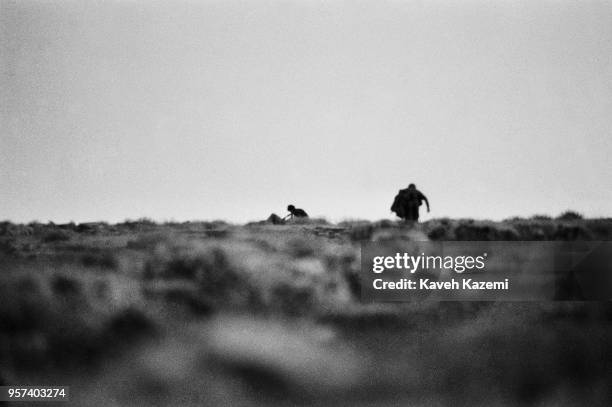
(212, 314)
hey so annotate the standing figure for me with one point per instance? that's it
(407, 201)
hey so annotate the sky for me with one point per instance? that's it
(199, 110)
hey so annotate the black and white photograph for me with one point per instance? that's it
(306, 203)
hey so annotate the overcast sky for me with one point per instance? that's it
(233, 109)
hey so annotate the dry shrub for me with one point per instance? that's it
(305, 246)
(129, 325)
(571, 232)
(282, 362)
(138, 224)
(361, 232)
(148, 240)
(26, 304)
(554, 355)
(541, 217)
(51, 319)
(8, 246)
(292, 299)
(57, 235)
(307, 221)
(184, 295)
(93, 227)
(295, 280)
(535, 229)
(12, 230)
(100, 258)
(601, 229)
(485, 231)
(440, 229)
(208, 266)
(65, 286)
(570, 215)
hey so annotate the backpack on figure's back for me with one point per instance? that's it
(399, 204)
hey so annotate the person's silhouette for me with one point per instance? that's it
(407, 201)
(295, 212)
